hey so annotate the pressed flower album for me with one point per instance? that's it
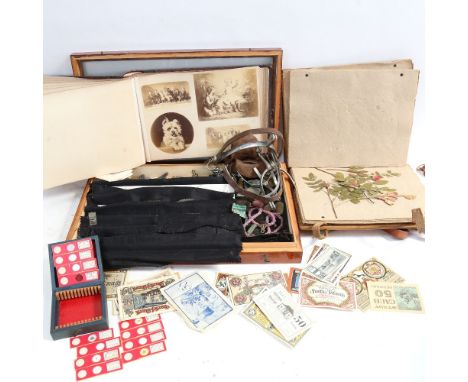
(356, 194)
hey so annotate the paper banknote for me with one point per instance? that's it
(283, 312)
(327, 264)
(394, 297)
(255, 315)
(200, 304)
(141, 298)
(317, 294)
(371, 270)
(221, 282)
(243, 288)
(113, 280)
(294, 279)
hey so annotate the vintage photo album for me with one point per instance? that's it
(348, 131)
(96, 127)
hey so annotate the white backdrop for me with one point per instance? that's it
(352, 346)
(311, 33)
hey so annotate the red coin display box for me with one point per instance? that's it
(79, 307)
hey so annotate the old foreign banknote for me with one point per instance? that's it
(200, 304)
(317, 294)
(294, 279)
(243, 288)
(255, 315)
(141, 298)
(394, 297)
(327, 264)
(221, 282)
(283, 312)
(113, 280)
(371, 270)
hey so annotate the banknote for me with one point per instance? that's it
(243, 288)
(113, 280)
(371, 270)
(255, 315)
(221, 282)
(200, 304)
(115, 307)
(283, 312)
(293, 279)
(327, 264)
(141, 298)
(317, 294)
(394, 297)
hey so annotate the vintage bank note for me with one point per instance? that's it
(255, 315)
(317, 294)
(221, 282)
(142, 298)
(113, 280)
(284, 313)
(243, 288)
(200, 304)
(327, 264)
(372, 270)
(394, 297)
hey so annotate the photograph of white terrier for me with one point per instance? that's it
(172, 133)
(173, 137)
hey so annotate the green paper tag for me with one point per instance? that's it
(240, 209)
(251, 229)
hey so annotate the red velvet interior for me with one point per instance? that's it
(79, 309)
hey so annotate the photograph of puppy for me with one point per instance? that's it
(164, 93)
(172, 133)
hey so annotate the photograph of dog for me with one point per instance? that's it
(226, 94)
(172, 133)
(164, 93)
(216, 137)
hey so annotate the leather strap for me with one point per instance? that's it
(318, 232)
(251, 195)
(221, 155)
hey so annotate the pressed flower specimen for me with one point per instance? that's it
(355, 184)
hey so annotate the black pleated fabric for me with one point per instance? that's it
(166, 208)
(204, 245)
(114, 195)
(113, 225)
(154, 226)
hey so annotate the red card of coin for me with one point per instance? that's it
(72, 246)
(98, 346)
(77, 278)
(92, 359)
(143, 329)
(128, 324)
(144, 340)
(77, 266)
(91, 337)
(60, 260)
(143, 351)
(100, 368)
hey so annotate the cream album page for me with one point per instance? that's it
(189, 115)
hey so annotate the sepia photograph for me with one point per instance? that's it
(172, 133)
(169, 92)
(226, 94)
(216, 137)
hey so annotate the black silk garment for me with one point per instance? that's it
(154, 226)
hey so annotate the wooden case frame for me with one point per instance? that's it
(261, 252)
